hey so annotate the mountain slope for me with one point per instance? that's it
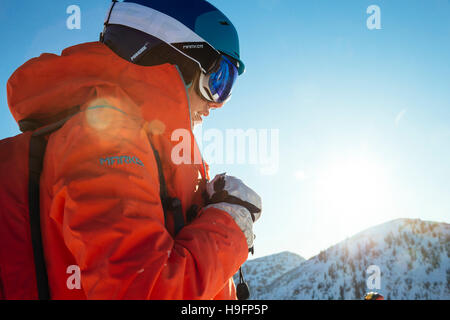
(261, 272)
(412, 255)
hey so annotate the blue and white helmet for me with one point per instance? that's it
(194, 28)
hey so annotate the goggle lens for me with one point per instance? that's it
(221, 81)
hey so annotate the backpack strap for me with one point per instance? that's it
(31, 124)
(169, 204)
(36, 156)
(38, 144)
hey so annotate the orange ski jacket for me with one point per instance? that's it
(100, 206)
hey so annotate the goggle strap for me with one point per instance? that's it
(204, 90)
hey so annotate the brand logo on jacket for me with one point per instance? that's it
(121, 160)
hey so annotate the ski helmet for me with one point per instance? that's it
(150, 32)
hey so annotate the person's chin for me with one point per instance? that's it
(197, 119)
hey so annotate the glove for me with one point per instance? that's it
(231, 195)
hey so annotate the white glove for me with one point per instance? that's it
(231, 195)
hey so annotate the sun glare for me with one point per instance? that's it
(352, 191)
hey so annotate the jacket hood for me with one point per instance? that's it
(88, 74)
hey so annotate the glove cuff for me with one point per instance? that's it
(241, 216)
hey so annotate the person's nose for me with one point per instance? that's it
(214, 105)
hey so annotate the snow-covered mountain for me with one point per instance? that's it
(413, 257)
(260, 272)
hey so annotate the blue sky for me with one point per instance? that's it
(363, 115)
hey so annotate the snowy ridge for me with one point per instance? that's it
(413, 257)
(263, 271)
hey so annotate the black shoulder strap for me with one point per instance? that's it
(31, 124)
(38, 144)
(36, 155)
(169, 204)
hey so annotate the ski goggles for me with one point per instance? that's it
(216, 85)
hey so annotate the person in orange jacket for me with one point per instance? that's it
(373, 296)
(120, 206)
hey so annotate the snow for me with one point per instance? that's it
(413, 257)
(261, 272)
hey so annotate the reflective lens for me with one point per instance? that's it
(221, 81)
